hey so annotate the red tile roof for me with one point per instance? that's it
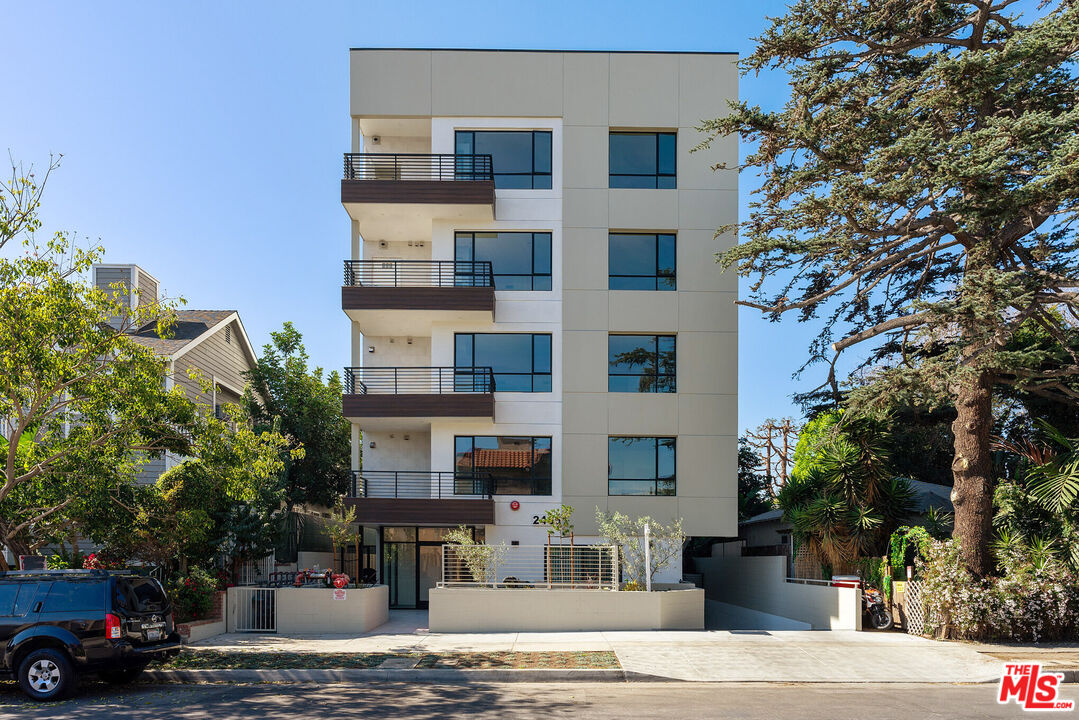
(519, 459)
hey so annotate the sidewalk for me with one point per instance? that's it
(710, 655)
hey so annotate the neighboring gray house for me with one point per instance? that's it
(211, 341)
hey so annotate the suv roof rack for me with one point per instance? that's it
(55, 573)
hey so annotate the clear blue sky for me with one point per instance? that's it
(203, 140)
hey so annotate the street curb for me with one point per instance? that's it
(451, 675)
(434, 675)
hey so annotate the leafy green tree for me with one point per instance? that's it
(80, 402)
(294, 399)
(223, 500)
(340, 527)
(20, 200)
(753, 496)
(919, 186)
(807, 455)
(558, 520)
(664, 544)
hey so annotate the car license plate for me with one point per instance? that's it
(154, 634)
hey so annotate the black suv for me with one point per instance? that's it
(58, 624)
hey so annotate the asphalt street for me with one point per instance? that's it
(417, 701)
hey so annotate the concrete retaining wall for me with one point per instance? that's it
(759, 583)
(314, 610)
(503, 610)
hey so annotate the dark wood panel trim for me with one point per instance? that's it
(401, 511)
(449, 405)
(471, 192)
(417, 298)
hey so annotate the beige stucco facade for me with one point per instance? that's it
(411, 101)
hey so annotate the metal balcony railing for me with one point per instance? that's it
(419, 485)
(413, 166)
(418, 380)
(419, 273)
(524, 567)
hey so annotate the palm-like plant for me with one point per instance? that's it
(1041, 510)
(846, 505)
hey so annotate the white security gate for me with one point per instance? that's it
(256, 609)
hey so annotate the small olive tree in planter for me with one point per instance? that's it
(664, 544)
(482, 561)
(339, 528)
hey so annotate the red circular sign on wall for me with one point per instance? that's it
(515, 505)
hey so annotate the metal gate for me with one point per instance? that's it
(256, 609)
(914, 608)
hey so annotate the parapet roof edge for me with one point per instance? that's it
(609, 52)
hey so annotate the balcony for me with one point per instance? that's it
(404, 297)
(390, 497)
(373, 394)
(417, 186)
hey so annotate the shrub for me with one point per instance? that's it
(1035, 599)
(482, 561)
(193, 595)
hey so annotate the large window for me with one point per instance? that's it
(521, 361)
(514, 465)
(519, 260)
(520, 158)
(641, 363)
(642, 159)
(640, 466)
(641, 261)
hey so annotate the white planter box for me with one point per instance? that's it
(541, 610)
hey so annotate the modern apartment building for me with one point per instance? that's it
(536, 314)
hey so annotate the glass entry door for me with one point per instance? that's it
(399, 567)
(412, 563)
(430, 569)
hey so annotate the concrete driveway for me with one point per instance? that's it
(709, 655)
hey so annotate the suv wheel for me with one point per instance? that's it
(46, 674)
(122, 677)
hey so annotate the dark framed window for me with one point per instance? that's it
(641, 363)
(640, 466)
(8, 593)
(513, 465)
(519, 260)
(641, 261)
(74, 596)
(521, 361)
(642, 159)
(519, 158)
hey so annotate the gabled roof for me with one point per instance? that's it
(766, 516)
(190, 329)
(926, 495)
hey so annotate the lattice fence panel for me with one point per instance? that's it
(914, 608)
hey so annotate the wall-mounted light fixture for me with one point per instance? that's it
(372, 445)
(370, 348)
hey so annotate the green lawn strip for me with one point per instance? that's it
(253, 660)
